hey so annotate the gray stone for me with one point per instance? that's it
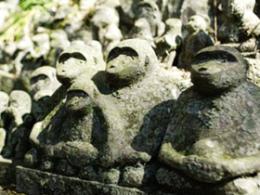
(150, 11)
(65, 134)
(213, 136)
(240, 21)
(17, 122)
(44, 84)
(133, 176)
(131, 108)
(33, 182)
(106, 31)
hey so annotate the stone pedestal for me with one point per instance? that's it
(34, 182)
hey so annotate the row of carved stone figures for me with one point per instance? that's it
(123, 122)
(117, 110)
(176, 29)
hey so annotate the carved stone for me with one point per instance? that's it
(212, 140)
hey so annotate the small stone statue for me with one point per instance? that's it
(202, 8)
(136, 108)
(195, 39)
(44, 83)
(212, 140)
(240, 22)
(169, 42)
(67, 141)
(78, 61)
(150, 11)
(106, 27)
(18, 122)
(20, 104)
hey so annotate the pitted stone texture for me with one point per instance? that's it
(213, 136)
(253, 73)
(33, 182)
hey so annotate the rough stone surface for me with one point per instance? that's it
(34, 182)
(109, 111)
(213, 135)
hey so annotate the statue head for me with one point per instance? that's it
(79, 59)
(216, 69)
(106, 22)
(173, 32)
(44, 82)
(196, 23)
(150, 11)
(20, 104)
(129, 61)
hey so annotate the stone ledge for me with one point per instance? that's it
(34, 182)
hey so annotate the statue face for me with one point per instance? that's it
(70, 65)
(77, 101)
(213, 75)
(43, 82)
(20, 104)
(150, 11)
(124, 65)
(107, 30)
(196, 23)
(219, 72)
(109, 33)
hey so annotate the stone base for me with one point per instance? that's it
(34, 182)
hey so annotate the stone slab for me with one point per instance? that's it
(32, 182)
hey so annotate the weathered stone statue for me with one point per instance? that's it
(44, 83)
(189, 9)
(150, 11)
(239, 22)
(211, 144)
(136, 108)
(64, 128)
(168, 44)
(17, 122)
(195, 38)
(109, 128)
(106, 27)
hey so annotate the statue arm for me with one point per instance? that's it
(208, 170)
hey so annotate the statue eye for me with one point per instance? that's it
(79, 56)
(64, 57)
(76, 93)
(38, 78)
(126, 51)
